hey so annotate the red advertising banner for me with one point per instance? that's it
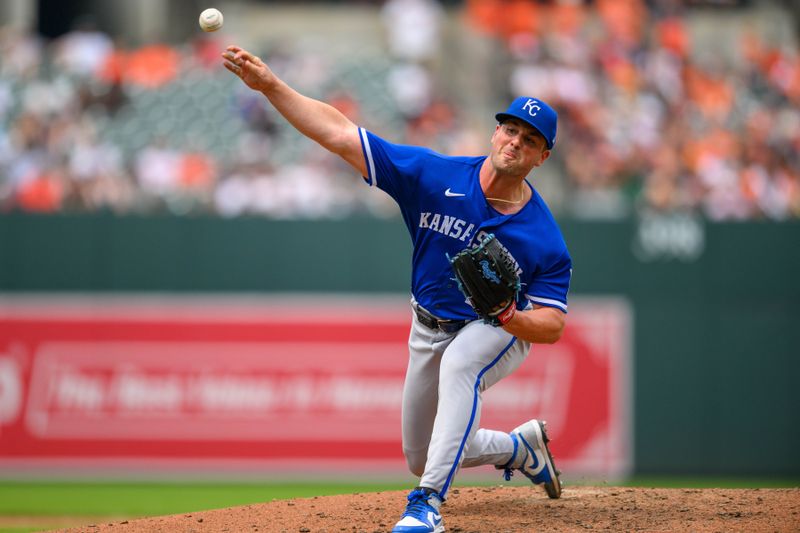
(210, 384)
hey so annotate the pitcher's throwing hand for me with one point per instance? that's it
(254, 72)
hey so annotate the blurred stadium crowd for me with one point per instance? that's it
(647, 120)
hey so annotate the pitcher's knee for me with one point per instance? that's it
(416, 461)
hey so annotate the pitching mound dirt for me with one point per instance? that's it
(502, 509)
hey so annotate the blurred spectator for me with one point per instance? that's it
(413, 28)
(157, 168)
(411, 87)
(83, 51)
(645, 119)
(205, 50)
(234, 195)
(152, 66)
(42, 192)
(647, 122)
(21, 53)
(196, 171)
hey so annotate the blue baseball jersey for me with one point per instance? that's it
(445, 210)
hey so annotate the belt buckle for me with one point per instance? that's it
(426, 319)
(447, 326)
(450, 326)
(430, 321)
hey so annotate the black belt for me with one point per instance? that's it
(432, 322)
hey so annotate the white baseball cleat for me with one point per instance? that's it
(422, 513)
(537, 465)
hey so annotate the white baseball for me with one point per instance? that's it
(211, 19)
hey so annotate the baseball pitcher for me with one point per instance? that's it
(491, 274)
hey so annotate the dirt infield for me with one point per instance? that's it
(502, 509)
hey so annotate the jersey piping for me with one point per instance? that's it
(547, 301)
(372, 178)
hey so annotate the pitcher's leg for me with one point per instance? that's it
(487, 446)
(420, 396)
(480, 354)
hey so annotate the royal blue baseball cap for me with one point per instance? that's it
(535, 112)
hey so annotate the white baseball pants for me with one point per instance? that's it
(447, 373)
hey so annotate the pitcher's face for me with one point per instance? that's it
(517, 148)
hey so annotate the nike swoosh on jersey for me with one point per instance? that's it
(448, 192)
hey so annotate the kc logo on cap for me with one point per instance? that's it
(532, 106)
(535, 112)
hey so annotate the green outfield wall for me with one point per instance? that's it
(716, 306)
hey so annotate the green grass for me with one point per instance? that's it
(147, 499)
(48, 501)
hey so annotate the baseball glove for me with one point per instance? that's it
(488, 278)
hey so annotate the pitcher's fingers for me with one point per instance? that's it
(244, 54)
(249, 65)
(233, 68)
(233, 48)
